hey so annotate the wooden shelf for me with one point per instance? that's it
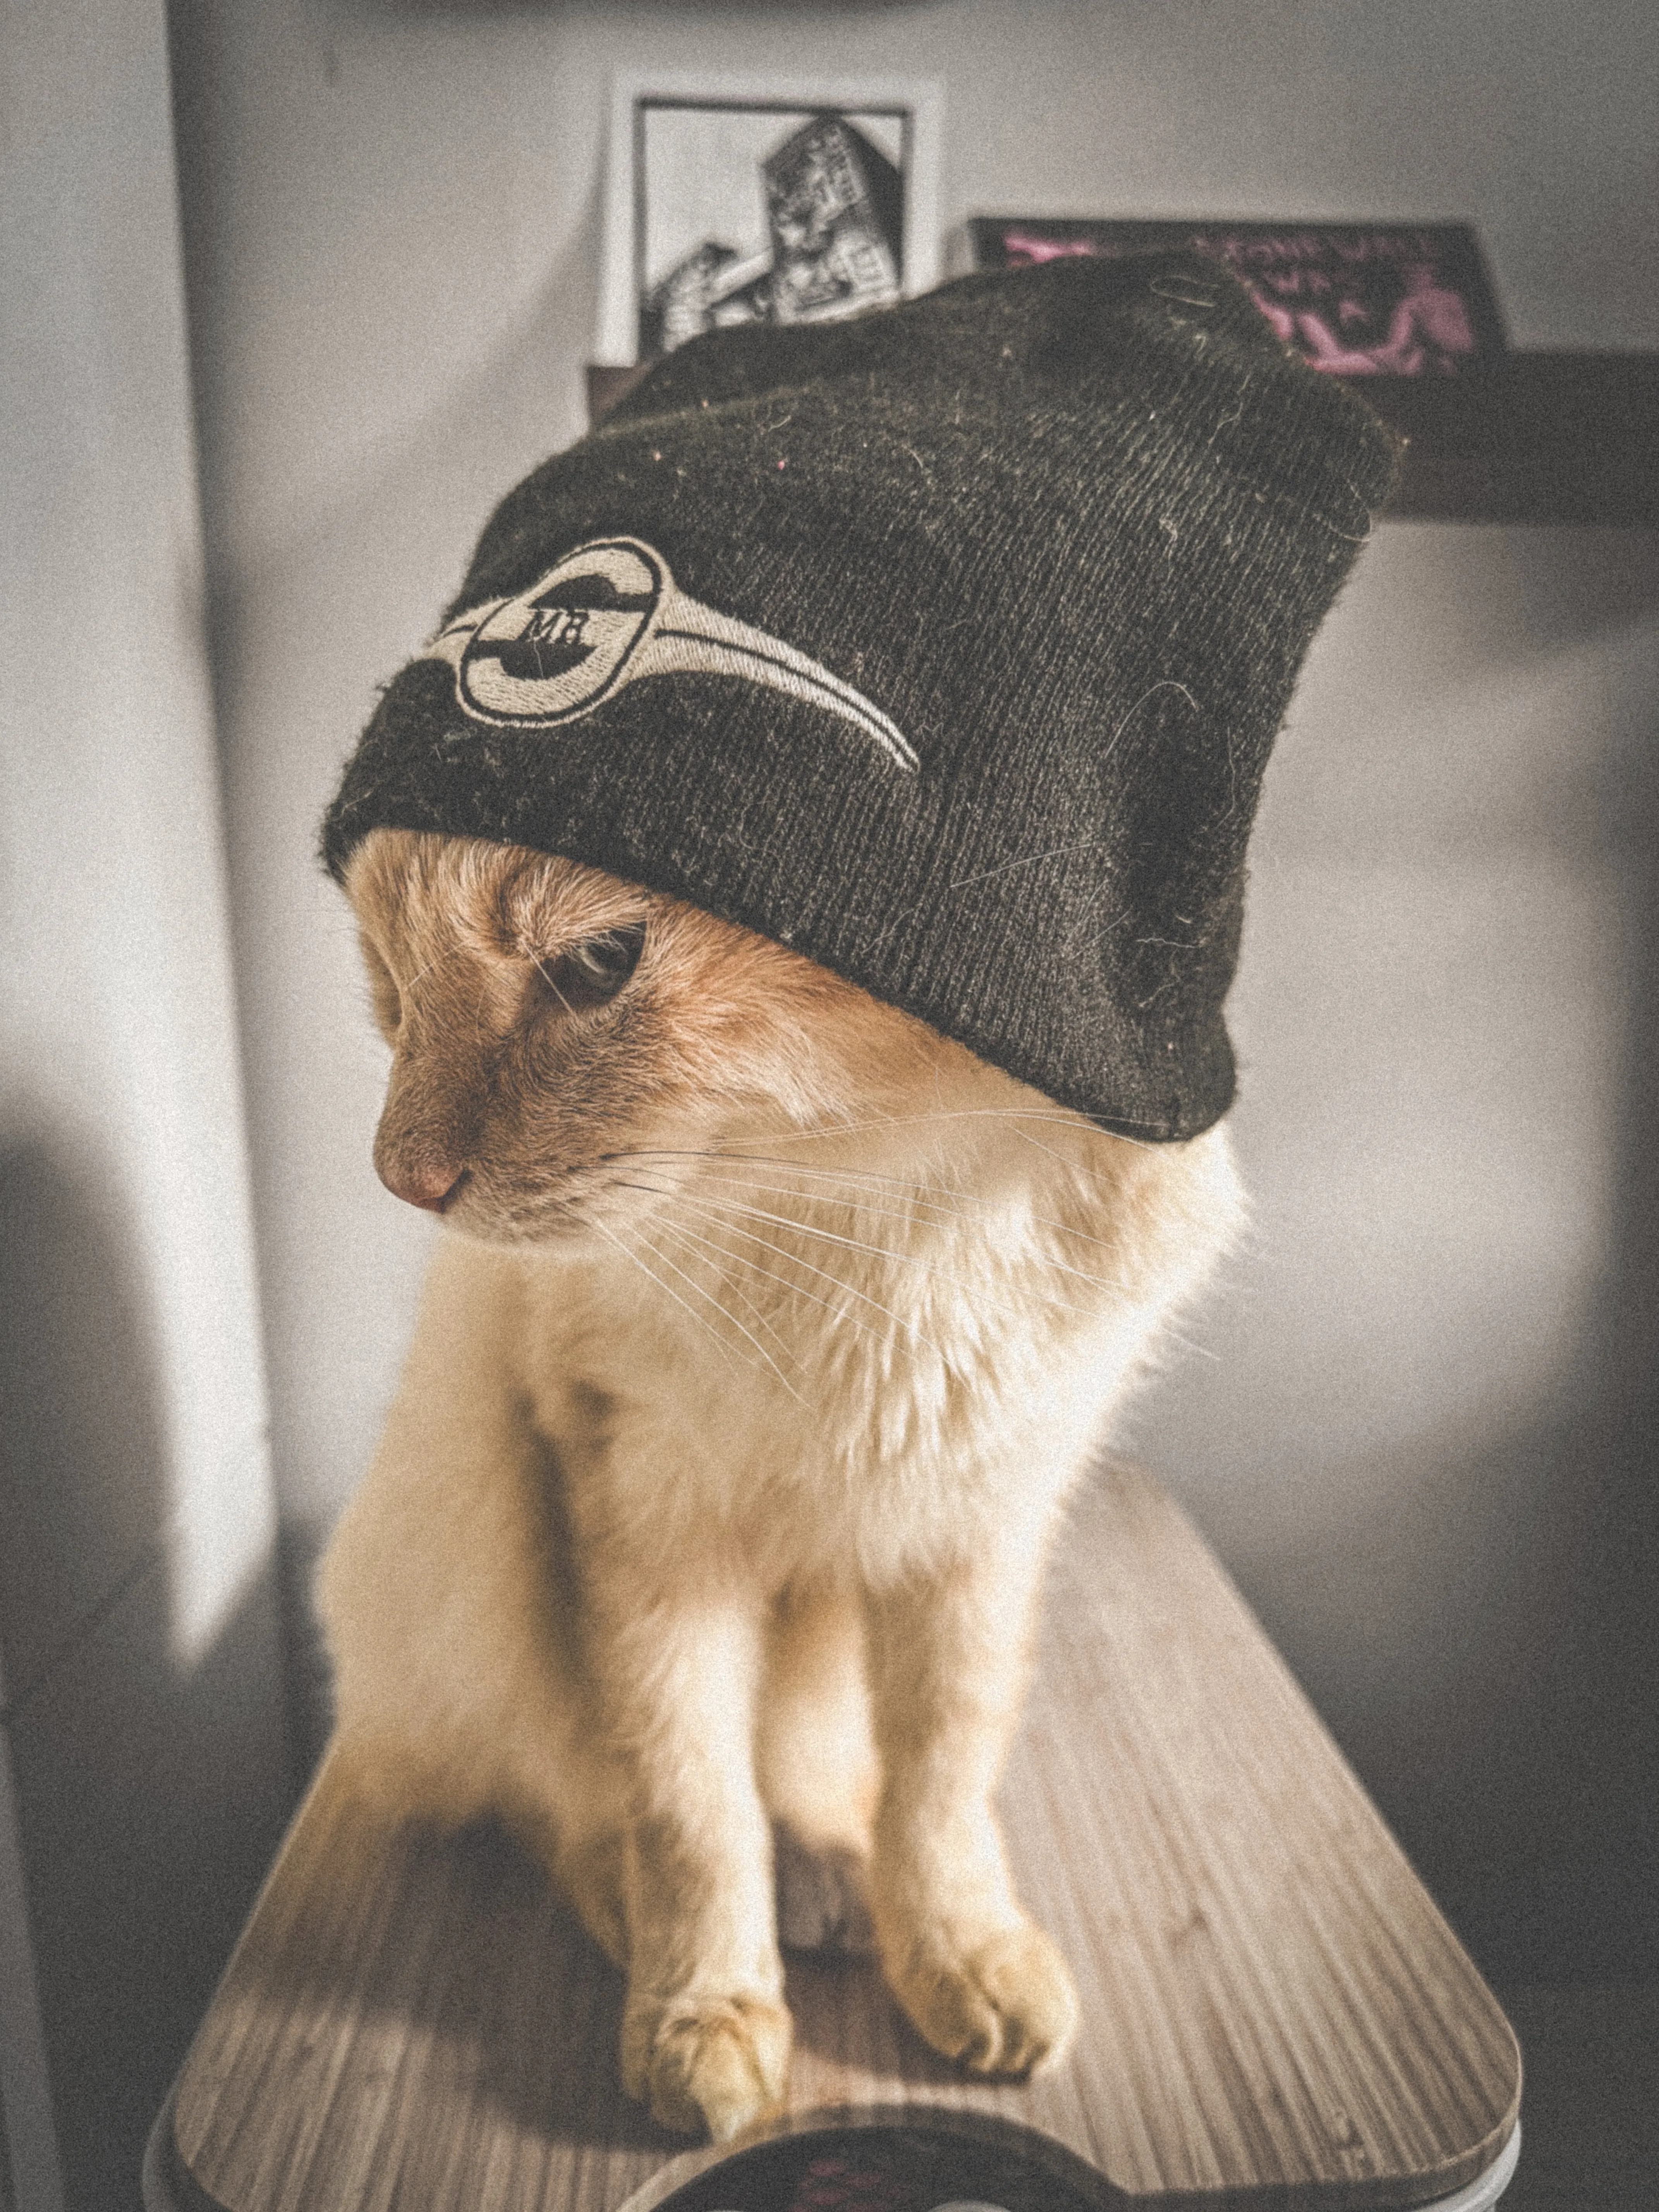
(1274, 2013)
(1542, 437)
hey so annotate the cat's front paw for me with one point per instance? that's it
(706, 2061)
(1002, 2004)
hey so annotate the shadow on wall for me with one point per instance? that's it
(135, 1779)
(358, 577)
(1479, 1620)
(1545, 1853)
(288, 741)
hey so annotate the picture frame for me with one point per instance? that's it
(1359, 299)
(762, 200)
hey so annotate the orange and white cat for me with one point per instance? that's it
(769, 1332)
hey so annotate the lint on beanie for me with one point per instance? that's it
(946, 645)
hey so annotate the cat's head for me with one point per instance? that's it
(565, 1044)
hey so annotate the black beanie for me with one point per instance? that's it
(945, 645)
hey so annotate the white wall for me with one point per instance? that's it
(141, 1695)
(392, 218)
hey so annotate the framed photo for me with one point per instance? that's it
(1360, 299)
(763, 203)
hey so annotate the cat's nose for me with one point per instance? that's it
(426, 1180)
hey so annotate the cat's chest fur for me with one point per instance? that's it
(822, 1369)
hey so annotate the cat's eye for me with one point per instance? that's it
(591, 972)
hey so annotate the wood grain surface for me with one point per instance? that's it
(1274, 2011)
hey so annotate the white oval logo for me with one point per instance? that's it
(562, 646)
(610, 614)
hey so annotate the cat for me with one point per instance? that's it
(768, 1330)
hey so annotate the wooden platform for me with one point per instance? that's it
(1275, 2015)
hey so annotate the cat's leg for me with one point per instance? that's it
(815, 1758)
(706, 2036)
(980, 1981)
(456, 1688)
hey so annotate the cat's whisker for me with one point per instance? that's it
(891, 1184)
(1075, 1122)
(723, 1216)
(891, 1214)
(881, 1252)
(752, 1266)
(1057, 1117)
(1190, 1344)
(536, 963)
(767, 1244)
(437, 960)
(921, 1191)
(682, 1236)
(1037, 1144)
(725, 1311)
(650, 1273)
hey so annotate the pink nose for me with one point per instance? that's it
(429, 1182)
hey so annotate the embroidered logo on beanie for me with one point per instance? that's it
(606, 616)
